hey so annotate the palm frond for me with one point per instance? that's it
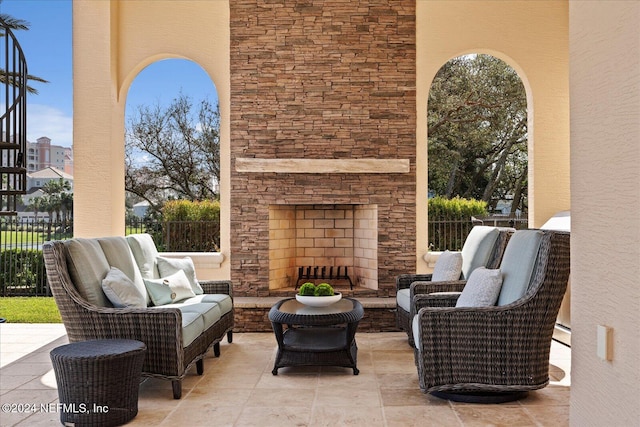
(14, 79)
(14, 23)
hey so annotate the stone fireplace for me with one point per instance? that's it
(323, 146)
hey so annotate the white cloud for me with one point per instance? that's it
(43, 120)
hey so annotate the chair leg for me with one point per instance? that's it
(200, 366)
(230, 337)
(216, 349)
(177, 388)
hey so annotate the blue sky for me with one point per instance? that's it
(47, 46)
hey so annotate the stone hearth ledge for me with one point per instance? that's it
(268, 302)
(322, 165)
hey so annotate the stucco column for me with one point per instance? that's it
(98, 148)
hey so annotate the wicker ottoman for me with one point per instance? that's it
(98, 381)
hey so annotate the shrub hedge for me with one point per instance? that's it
(22, 273)
(441, 208)
(191, 226)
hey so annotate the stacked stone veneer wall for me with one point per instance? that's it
(322, 79)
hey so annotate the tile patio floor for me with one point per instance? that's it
(238, 388)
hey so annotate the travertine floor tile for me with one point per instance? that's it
(238, 389)
(420, 416)
(274, 416)
(496, 415)
(549, 415)
(337, 396)
(354, 415)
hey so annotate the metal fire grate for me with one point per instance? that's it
(323, 273)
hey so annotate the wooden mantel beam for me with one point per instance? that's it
(322, 165)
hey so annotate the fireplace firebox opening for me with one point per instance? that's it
(323, 236)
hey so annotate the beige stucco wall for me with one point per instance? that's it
(605, 193)
(530, 36)
(109, 49)
(113, 42)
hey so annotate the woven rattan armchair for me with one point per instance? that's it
(498, 353)
(415, 284)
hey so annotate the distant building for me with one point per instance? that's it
(42, 154)
(39, 178)
(140, 209)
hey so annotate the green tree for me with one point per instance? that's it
(173, 152)
(36, 204)
(55, 191)
(477, 124)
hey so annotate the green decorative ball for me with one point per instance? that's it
(324, 290)
(307, 289)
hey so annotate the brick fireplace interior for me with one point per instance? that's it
(330, 236)
(323, 146)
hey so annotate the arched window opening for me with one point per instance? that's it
(172, 157)
(477, 148)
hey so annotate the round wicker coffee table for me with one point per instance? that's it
(316, 336)
(98, 381)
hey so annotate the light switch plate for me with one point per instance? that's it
(604, 342)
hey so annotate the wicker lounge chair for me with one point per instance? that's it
(483, 247)
(497, 353)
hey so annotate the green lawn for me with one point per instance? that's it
(21, 237)
(29, 310)
(30, 237)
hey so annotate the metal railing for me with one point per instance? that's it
(446, 233)
(22, 267)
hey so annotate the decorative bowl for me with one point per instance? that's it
(323, 301)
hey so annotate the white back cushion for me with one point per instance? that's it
(478, 247)
(517, 264)
(145, 253)
(87, 267)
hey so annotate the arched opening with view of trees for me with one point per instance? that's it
(172, 156)
(477, 134)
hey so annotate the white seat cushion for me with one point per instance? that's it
(222, 300)
(196, 318)
(192, 327)
(403, 299)
(415, 330)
